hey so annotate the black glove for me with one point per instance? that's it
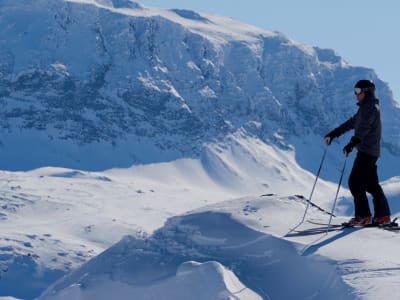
(350, 146)
(331, 135)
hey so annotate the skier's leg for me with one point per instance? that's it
(357, 185)
(381, 206)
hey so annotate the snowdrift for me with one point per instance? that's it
(206, 255)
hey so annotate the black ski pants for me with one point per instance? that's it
(364, 178)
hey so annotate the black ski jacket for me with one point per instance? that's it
(367, 126)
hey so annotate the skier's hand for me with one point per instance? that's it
(348, 148)
(330, 136)
(327, 140)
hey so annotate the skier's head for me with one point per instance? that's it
(365, 86)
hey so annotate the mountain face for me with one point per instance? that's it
(99, 84)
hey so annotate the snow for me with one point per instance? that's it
(167, 230)
(191, 279)
(262, 261)
(151, 223)
(203, 23)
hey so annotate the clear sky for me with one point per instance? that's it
(364, 32)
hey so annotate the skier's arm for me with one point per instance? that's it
(346, 126)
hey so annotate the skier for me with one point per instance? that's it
(367, 136)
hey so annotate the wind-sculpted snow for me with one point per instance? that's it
(100, 84)
(203, 249)
(55, 220)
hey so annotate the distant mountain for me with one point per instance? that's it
(95, 84)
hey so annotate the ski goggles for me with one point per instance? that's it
(358, 91)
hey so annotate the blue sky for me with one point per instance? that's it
(364, 32)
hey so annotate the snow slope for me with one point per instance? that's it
(56, 219)
(240, 235)
(177, 224)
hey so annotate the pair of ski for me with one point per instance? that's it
(323, 228)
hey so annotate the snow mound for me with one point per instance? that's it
(202, 249)
(188, 283)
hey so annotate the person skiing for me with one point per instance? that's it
(367, 136)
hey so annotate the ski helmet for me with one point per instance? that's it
(364, 86)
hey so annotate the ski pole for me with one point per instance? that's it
(312, 190)
(337, 192)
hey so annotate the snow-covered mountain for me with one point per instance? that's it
(100, 84)
(205, 111)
